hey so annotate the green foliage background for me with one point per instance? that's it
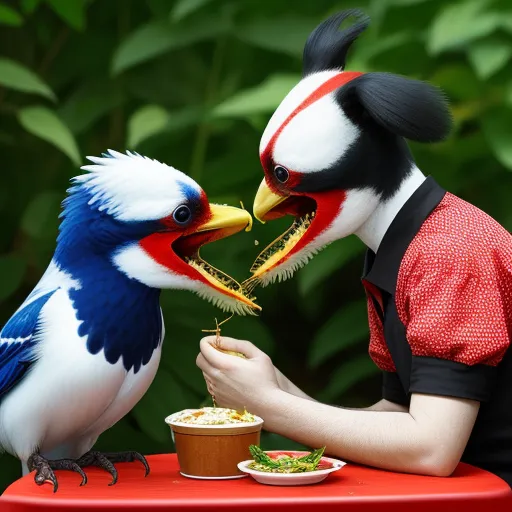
(193, 83)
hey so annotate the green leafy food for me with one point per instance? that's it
(285, 463)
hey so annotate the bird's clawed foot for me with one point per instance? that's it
(106, 461)
(44, 469)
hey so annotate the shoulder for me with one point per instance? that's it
(458, 237)
(22, 324)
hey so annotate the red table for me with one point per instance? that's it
(353, 488)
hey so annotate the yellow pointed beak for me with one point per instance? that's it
(223, 217)
(265, 201)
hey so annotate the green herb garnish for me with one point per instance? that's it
(285, 464)
(261, 457)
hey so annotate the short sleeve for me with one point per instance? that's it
(454, 309)
(392, 389)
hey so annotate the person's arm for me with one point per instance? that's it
(289, 387)
(428, 438)
(387, 406)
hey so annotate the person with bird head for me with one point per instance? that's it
(437, 273)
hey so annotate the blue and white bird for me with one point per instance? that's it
(85, 345)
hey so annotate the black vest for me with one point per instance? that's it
(490, 443)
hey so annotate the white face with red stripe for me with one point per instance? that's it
(307, 138)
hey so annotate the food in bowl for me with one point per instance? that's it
(284, 463)
(214, 416)
(210, 442)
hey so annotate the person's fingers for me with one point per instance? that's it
(204, 365)
(248, 349)
(209, 385)
(214, 357)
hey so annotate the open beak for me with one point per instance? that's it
(265, 201)
(222, 221)
(227, 217)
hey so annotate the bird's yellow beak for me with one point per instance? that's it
(265, 201)
(225, 217)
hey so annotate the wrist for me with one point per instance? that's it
(282, 381)
(268, 403)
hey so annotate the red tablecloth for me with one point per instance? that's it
(351, 489)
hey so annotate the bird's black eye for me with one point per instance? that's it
(281, 173)
(182, 214)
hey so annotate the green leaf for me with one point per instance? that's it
(29, 6)
(460, 23)
(72, 12)
(183, 8)
(496, 127)
(9, 16)
(345, 328)
(508, 94)
(328, 261)
(488, 57)
(181, 348)
(16, 76)
(282, 34)
(145, 122)
(458, 80)
(506, 21)
(157, 38)
(44, 123)
(347, 375)
(401, 3)
(252, 329)
(363, 53)
(164, 397)
(264, 98)
(40, 216)
(89, 103)
(12, 271)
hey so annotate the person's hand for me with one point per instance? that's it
(236, 382)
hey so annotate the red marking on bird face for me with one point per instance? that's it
(327, 87)
(201, 214)
(314, 212)
(328, 207)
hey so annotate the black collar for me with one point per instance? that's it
(381, 269)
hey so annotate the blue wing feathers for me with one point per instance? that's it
(17, 343)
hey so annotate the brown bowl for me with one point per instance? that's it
(213, 451)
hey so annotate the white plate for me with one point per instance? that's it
(312, 477)
(213, 477)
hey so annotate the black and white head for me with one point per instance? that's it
(336, 147)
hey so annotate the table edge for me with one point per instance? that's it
(195, 503)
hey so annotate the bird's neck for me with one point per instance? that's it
(373, 230)
(119, 316)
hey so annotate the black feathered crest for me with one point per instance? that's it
(326, 47)
(404, 106)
